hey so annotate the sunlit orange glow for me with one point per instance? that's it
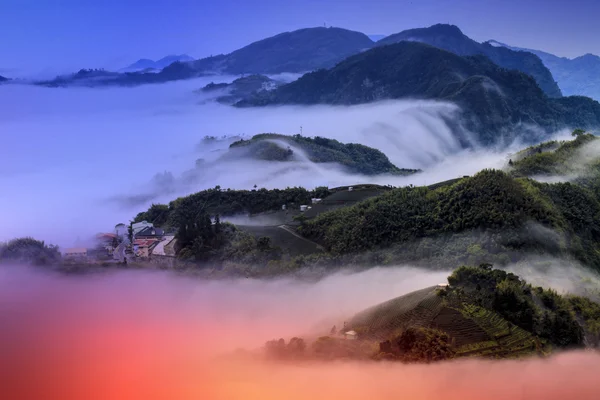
(150, 337)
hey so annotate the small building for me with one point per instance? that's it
(161, 249)
(350, 188)
(150, 233)
(76, 253)
(284, 207)
(303, 208)
(138, 226)
(351, 335)
(143, 247)
(315, 201)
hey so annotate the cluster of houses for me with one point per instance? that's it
(146, 242)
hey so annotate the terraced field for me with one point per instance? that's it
(475, 331)
(285, 239)
(414, 309)
(463, 330)
(354, 196)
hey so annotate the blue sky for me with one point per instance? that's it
(58, 35)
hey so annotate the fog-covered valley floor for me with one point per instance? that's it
(151, 335)
(76, 161)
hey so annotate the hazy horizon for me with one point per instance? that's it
(112, 35)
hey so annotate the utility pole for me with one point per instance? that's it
(300, 130)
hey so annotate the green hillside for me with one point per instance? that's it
(356, 158)
(578, 157)
(493, 100)
(488, 216)
(483, 312)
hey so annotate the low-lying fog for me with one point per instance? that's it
(77, 161)
(150, 335)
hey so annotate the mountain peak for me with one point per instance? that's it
(446, 29)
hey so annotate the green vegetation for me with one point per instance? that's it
(486, 215)
(157, 214)
(483, 312)
(30, 251)
(228, 202)
(541, 312)
(555, 158)
(356, 158)
(493, 99)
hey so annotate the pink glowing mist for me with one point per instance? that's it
(140, 335)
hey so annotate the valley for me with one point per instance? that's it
(255, 201)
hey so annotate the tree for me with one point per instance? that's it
(263, 243)
(217, 224)
(577, 132)
(29, 250)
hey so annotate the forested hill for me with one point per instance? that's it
(484, 312)
(490, 216)
(356, 158)
(573, 159)
(297, 51)
(493, 100)
(451, 38)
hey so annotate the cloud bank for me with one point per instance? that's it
(141, 335)
(68, 154)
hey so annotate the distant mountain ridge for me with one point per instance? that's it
(493, 100)
(451, 38)
(576, 76)
(302, 50)
(297, 51)
(145, 63)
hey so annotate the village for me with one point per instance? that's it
(138, 242)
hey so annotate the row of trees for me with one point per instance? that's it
(30, 251)
(519, 303)
(217, 201)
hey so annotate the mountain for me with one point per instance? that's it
(355, 158)
(577, 76)
(240, 88)
(100, 77)
(3, 79)
(493, 100)
(297, 51)
(451, 38)
(147, 64)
